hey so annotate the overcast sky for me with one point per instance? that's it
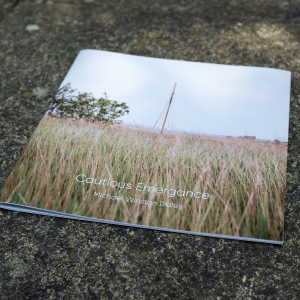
(209, 98)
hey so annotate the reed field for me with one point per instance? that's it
(245, 179)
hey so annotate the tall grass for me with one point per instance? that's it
(245, 179)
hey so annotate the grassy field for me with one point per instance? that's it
(245, 179)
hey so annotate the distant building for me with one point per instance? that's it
(249, 137)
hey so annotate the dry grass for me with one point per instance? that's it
(246, 180)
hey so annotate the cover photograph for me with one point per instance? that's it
(162, 144)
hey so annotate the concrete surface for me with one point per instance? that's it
(50, 258)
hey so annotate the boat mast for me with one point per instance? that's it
(162, 129)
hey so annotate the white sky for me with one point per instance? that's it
(209, 98)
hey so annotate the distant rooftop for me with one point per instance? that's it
(249, 137)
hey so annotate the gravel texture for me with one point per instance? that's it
(51, 258)
(6, 6)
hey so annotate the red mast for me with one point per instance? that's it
(162, 129)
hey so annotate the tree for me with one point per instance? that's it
(86, 106)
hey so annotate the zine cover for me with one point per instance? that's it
(161, 144)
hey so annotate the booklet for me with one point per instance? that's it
(161, 144)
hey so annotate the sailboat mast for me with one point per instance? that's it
(162, 129)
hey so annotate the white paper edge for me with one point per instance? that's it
(45, 212)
